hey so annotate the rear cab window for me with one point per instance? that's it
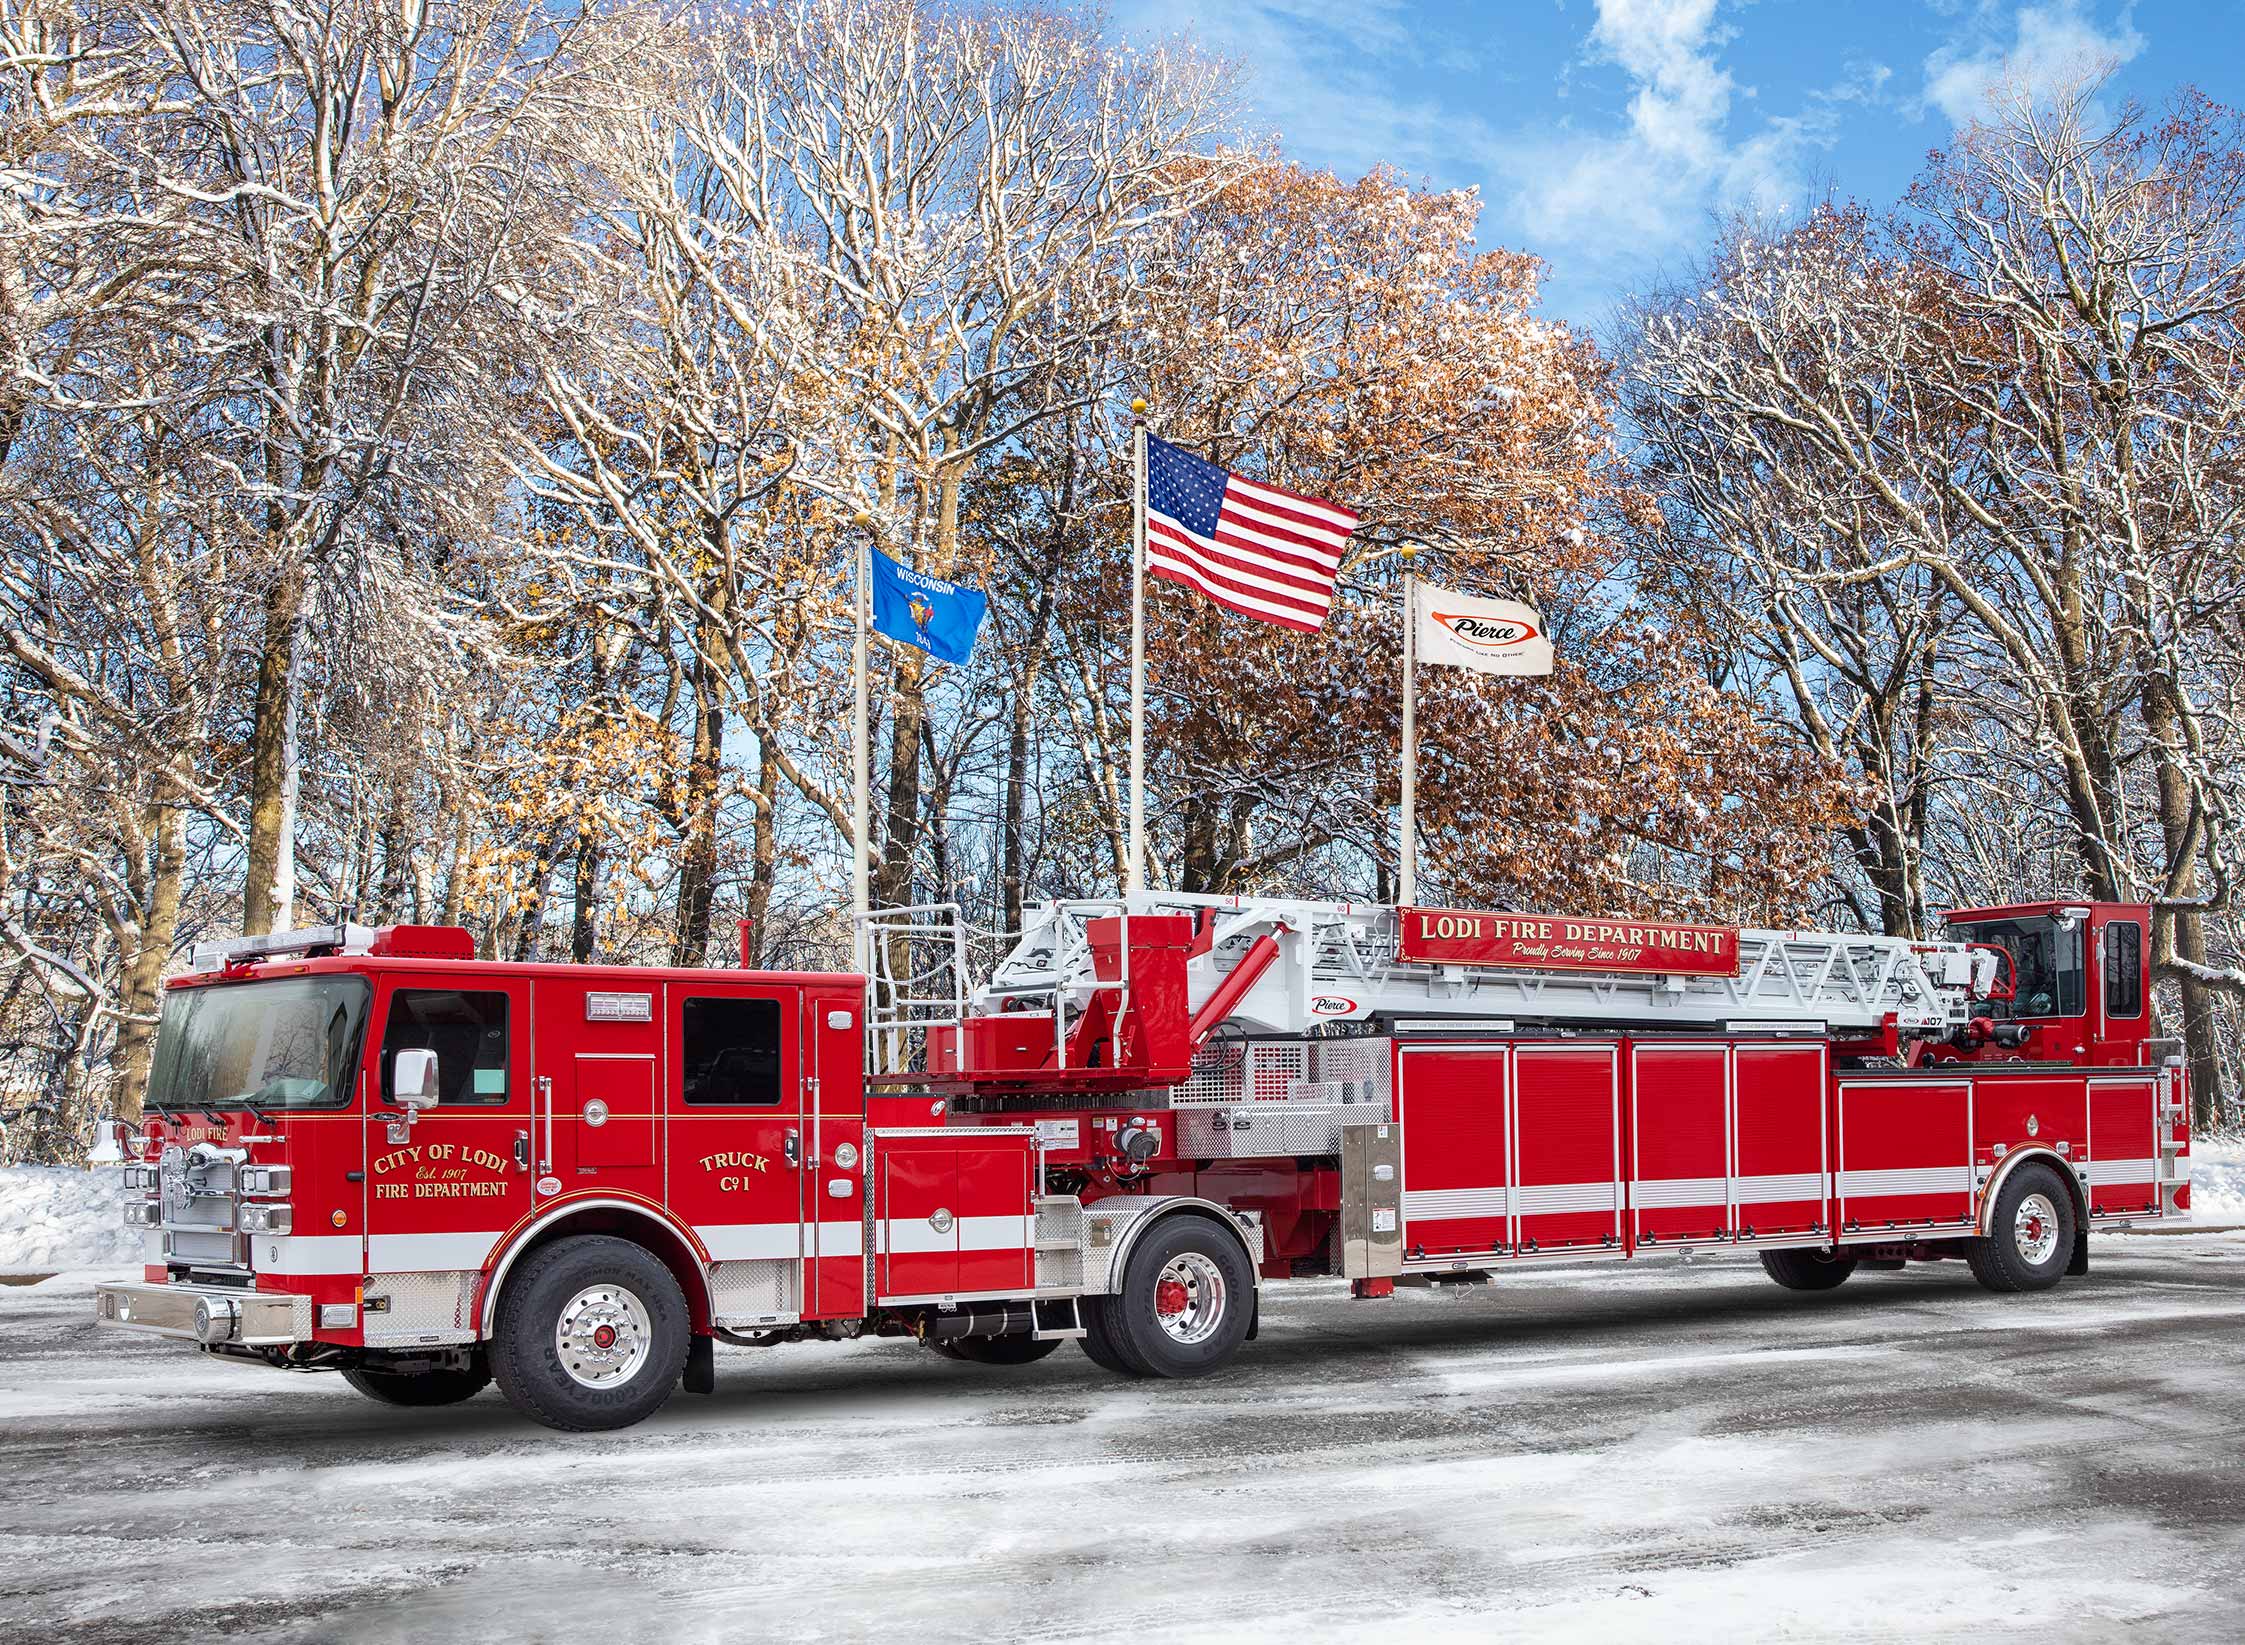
(729, 1052)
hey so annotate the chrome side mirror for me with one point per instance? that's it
(413, 1080)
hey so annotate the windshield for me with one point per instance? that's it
(265, 1045)
(2046, 963)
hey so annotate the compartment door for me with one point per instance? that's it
(1679, 1131)
(1777, 1122)
(997, 1230)
(1566, 1151)
(2124, 1147)
(917, 1216)
(834, 1167)
(1452, 1103)
(1905, 1156)
(954, 1215)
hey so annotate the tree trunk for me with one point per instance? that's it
(584, 926)
(697, 865)
(763, 858)
(141, 996)
(270, 889)
(2180, 933)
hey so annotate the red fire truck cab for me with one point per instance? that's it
(368, 1151)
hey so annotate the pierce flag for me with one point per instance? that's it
(1492, 636)
(939, 617)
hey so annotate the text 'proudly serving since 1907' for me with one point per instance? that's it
(1553, 942)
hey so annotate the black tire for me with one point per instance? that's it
(1009, 1350)
(2033, 1214)
(420, 1389)
(526, 1354)
(1099, 1342)
(1807, 1270)
(1211, 1264)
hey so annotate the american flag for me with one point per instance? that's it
(1251, 548)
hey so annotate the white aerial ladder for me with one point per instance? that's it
(1337, 962)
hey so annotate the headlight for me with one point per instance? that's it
(143, 1213)
(264, 1179)
(265, 1219)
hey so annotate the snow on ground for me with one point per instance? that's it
(2217, 1177)
(57, 1217)
(1668, 1455)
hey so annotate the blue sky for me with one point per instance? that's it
(1605, 135)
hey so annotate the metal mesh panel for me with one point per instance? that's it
(424, 1308)
(1274, 1067)
(1216, 1077)
(1353, 1072)
(759, 1286)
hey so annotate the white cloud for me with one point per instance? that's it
(1603, 195)
(1622, 194)
(1330, 75)
(2049, 45)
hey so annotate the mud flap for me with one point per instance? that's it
(2080, 1262)
(701, 1366)
(1255, 1315)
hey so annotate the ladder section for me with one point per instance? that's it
(1338, 962)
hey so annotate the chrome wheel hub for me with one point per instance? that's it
(1189, 1298)
(603, 1336)
(2034, 1229)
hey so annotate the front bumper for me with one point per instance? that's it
(211, 1314)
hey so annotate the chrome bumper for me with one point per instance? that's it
(206, 1313)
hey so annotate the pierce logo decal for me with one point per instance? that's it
(1486, 634)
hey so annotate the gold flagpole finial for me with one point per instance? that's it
(1138, 408)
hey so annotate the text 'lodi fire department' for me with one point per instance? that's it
(370, 1152)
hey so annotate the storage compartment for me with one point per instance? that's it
(1905, 1155)
(954, 1213)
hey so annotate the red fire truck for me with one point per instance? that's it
(370, 1152)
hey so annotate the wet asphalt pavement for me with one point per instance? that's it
(1663, 1454)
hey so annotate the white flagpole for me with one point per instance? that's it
(1407, 886)
(1134, 877)
(860, 782)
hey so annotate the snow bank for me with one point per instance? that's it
(54, 1217)
(2217, 1177)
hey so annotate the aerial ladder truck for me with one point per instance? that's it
(371, 1152)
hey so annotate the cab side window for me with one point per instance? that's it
(729, 1052)
(2124, 969)
(466, 1028)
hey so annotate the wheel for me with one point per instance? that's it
(1186, 1296)
(1009, 1350)
(1099, 1342)
(592, 1334)
(2030, 1236)
(1807, 1270)
(421, 1388)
